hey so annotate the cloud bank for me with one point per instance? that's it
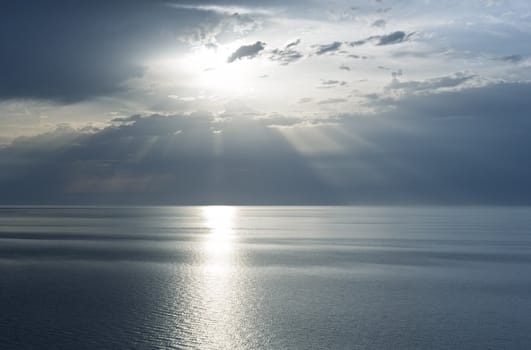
(451, 147)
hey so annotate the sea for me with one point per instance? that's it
(222, 277)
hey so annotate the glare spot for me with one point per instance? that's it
(219, 243)
(219, 219)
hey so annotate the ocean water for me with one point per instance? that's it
(265, 278)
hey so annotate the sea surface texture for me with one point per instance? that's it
(265, 278)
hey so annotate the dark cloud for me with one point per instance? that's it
(293, 44)
(288, 54)
(489, 103)
(382, 40)
(246, 51)
(419, 54)
(394, 38)
(332, 101)
(449, 81)
(124, 120)
(396, 74)
(344, 67)
(159, 159)
(465, 147)
(358, 57)
(513, 58)
(360, 42)
(328, 48)
(70, 51)
(380, 23)
(328, 84)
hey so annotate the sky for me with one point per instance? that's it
(404, 102)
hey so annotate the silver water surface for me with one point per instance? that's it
(265, 277)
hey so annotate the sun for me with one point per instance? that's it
(213, 72)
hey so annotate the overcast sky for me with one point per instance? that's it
(265, 102)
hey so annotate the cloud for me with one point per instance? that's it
(328, 84)
(382, 40)
(492, 102)
(183, 98)
(223, 24)
(332, 101)
(358, 57)
(68, 52)
(449, 81)
(379, 23)
(287, 54)
(394, 38)
(397, 74)
(118, 56)
(512, 58)
(246, 51)
(293, 44)
(449, 147)
(224, 9)
(285, 57)
(328, 48)
(125, 120)
(161, 159)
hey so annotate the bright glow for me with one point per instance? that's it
(219, 243)
(213, 72)
(219, 219)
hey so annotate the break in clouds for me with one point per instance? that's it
(265, 102)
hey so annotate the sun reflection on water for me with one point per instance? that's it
(219, 286)
(219, 219)
(219, 243)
